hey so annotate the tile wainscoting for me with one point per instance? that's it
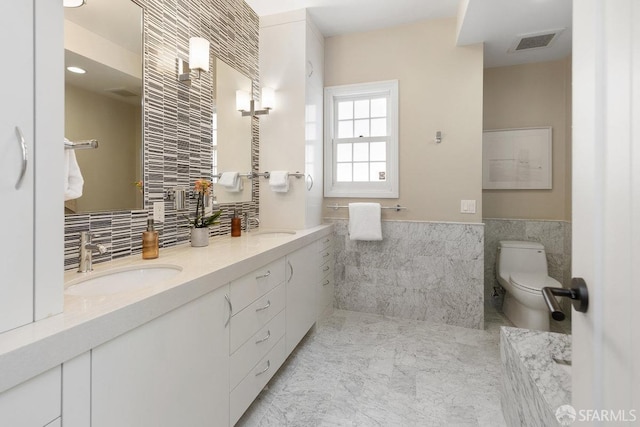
(177, 121)
(554, 235)
(420, 270)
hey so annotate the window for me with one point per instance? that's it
(361, 140)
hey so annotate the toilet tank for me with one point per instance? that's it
(520, 257)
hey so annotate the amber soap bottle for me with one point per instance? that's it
(150, 248)
(236, 225)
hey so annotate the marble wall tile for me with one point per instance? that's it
(420, 270)
(533, 385)
(554, 235)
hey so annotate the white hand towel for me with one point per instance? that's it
(231, 182)
(365, 221)
(73, 181)
(279, 181)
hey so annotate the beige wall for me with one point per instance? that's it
(532, 95)
(440, 90)
(109, 171)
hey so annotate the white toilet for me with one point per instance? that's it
(521, 269)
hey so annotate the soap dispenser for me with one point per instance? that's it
(150, 241)
(236, 224)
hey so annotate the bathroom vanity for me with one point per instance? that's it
(193, 349)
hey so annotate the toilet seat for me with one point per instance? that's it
(532, 282)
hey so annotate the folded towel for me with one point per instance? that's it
(73, 181)
(279, 181)
(365, 221)
(231, 182)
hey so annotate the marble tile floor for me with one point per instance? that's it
(357, 369)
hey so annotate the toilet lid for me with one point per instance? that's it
(533, 281)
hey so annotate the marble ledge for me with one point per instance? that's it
(88, 321)
(533, 384)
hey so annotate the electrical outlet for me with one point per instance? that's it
(158, 211)
(468, 206)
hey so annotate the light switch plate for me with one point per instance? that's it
(158, 211)
(468, 206)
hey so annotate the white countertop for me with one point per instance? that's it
(88, 321)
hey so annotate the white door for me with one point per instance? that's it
(606, 208)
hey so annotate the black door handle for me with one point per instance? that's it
(578, 293)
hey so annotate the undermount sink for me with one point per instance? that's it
(272, 233)
(124, 279)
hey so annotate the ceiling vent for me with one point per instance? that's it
(539, 40)
(122, 92)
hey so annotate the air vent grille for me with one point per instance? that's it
(122, 92)
(539, 40)
(535, 42)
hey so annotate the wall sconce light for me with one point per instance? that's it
(198, 60)
(246, 105)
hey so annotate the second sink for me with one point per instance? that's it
(273, 233)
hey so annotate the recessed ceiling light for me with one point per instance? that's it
(73, 3)
(76, 70)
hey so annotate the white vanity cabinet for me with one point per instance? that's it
(32, 125)
(257, 333)
(325, 285)
(34, 403)
(172, 371)
(301, 283)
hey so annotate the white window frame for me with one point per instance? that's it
(386, 189)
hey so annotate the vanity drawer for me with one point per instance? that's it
(326, 255)
(250, 353)
(325, 242)
(325, 270)
(252, 286)
(247, 322)
(242, 396)
(325, 292)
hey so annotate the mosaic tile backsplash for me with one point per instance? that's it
(177, 121)
(420, 270)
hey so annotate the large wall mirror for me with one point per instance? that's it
(104, 38)
(231, 131)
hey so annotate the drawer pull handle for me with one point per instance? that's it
(326, 255)
(326, 268)
(291, 267)
(265, 338)
(230, 310)
(265, 307)
(326, 283)
(25, 158)
(267, 274)
(265, 369)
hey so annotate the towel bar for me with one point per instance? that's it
(81, 145)
(268, 174)
(249, 175)
(396, 208)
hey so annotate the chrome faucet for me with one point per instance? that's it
(86, 251)
(247, 222)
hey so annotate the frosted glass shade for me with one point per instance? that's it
(243, 100)
(72, 3)
(199, 54)
(268, 98)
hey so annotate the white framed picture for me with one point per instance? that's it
(517, 159)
